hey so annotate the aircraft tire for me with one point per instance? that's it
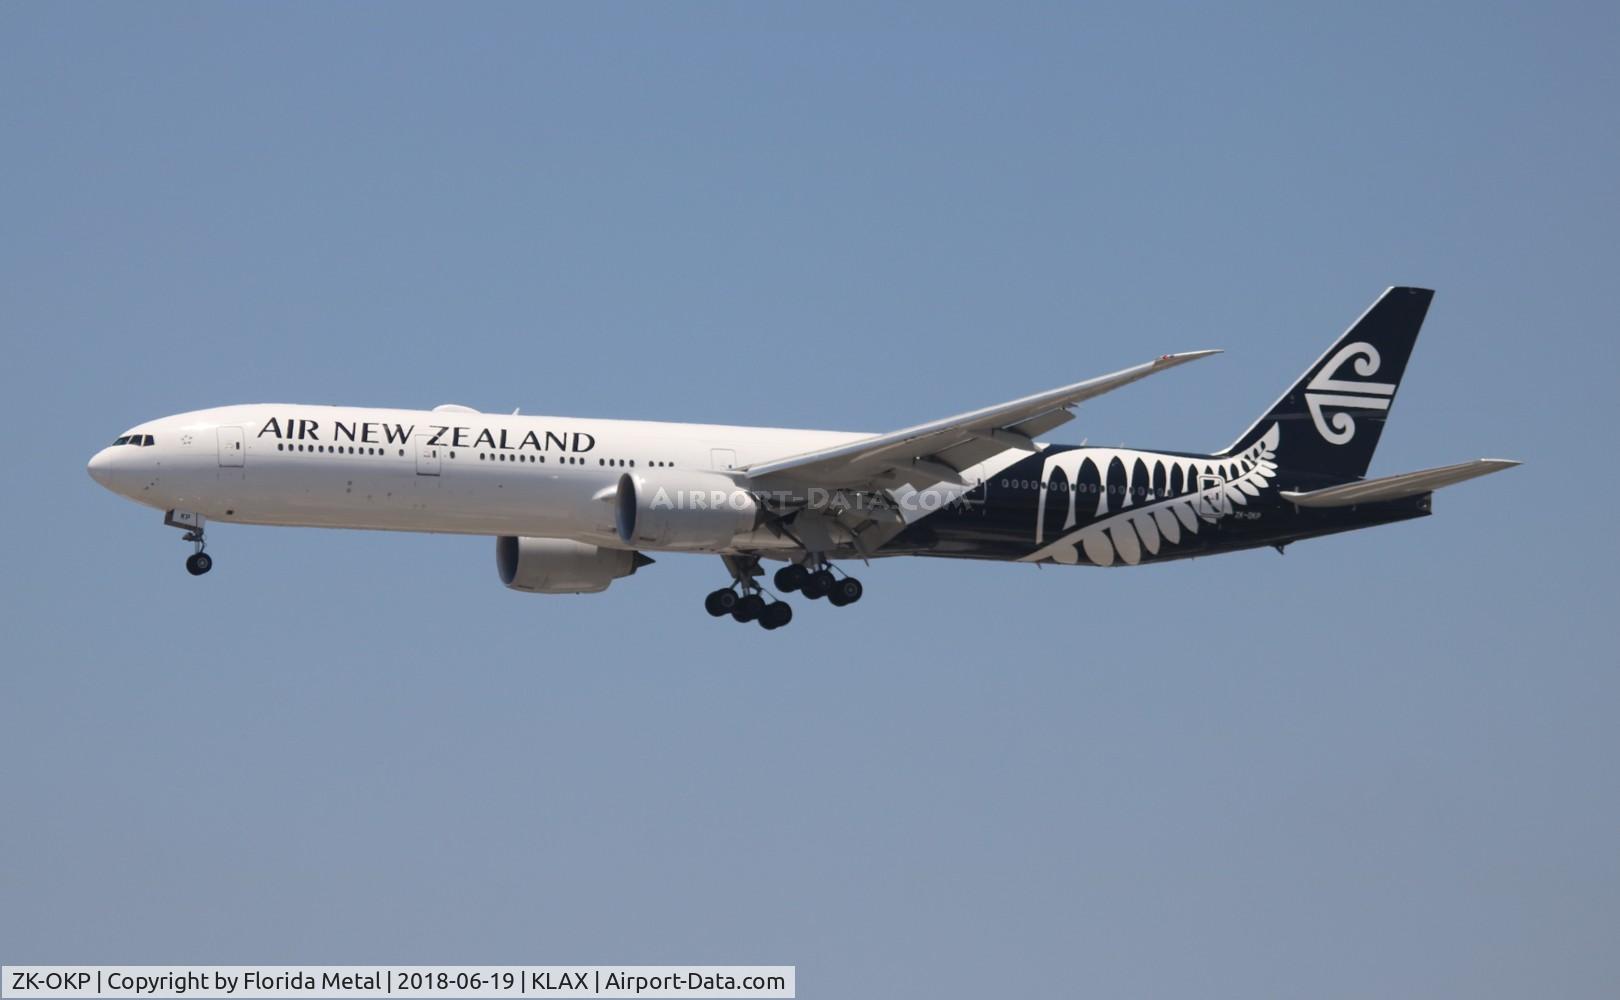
(818, 584)
(790, 578)
(776, 615)
(721, 602)
(845, 592)
(748, 608)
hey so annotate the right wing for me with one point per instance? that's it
(938, 451)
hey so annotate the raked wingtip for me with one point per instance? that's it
(1185, 356)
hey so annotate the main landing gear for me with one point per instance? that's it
(748, 607)
(818, 583)
(745, 599)
(199, 562)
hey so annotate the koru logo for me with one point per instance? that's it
(1328, 391)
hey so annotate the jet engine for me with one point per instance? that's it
(680, 509)
(561, 566)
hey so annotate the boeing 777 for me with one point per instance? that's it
(575, 504)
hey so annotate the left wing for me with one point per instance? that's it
(938, 451)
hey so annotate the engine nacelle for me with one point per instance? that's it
(560, 566)
(678, 509)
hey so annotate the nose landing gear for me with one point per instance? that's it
(199, 562)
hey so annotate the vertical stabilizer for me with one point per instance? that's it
(1330, 420)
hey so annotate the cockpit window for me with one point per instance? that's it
(138, 440)
(122, 440)
(146, 441)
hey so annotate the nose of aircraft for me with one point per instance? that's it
(119, 469)
(101, 467)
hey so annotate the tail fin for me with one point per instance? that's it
(1331, 418)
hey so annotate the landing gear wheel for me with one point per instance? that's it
(845, 591)
(818, 584)
(720, 602)
(199, 563)
(748, 608)
(791, 578)
(775, 615)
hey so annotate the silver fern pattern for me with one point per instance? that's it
(1126, 530)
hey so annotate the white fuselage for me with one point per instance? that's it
(444, 470)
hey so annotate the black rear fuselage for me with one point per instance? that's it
(1133, 507)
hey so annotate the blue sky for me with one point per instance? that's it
(1380, 765)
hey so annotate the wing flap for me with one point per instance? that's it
(1408, 484)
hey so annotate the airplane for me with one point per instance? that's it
(575, 504)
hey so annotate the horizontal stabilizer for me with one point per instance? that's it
(1408, 484)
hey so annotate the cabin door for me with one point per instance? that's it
(1213, 503)
(427, 456)
(232, 448)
